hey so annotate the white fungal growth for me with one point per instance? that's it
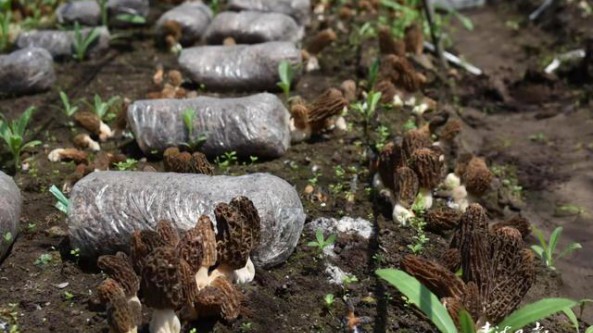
(420, 109)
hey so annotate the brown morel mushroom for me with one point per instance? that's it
(388, 92)
(219, 298)
(308, 120)
(184, 162)
(442, 219)
(413, 140)
(348, 89)
(414, 38)
(300, 130)
(428, 165)
(68, 154)
(122, 317)
(450, 130)
(320, 41)
(441, 281)
(237, 236)
(451, 259)
(83, 141)
(477, 176)
(167, 232)
(92, 123)
(390, 158)
(518, 222)
(120, 269)
(168, 284)
(400, 72)
(389, 45)
(142, 243)
(173, 32)
(198, 247)
(407, 185)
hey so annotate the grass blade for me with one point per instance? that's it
(536, 311)
(569, 249)
(466, 322)
(573, 318)
(420, 296)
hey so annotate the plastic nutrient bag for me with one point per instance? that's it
(106, 207)
(253, 27)
(10, 212)
(85, 12)
(60, 43)
(26, 71)
(256, 125)
(239, 67)
(193, 17)
(300, 10)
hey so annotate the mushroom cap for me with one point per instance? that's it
(167, 280)
(407, 186)
(414, 38)
(173, 29)
(81, 140)
(206, 229)
(477, 176)
(120, 316)
(119, 268)
(300, 115)
(428, 166)
(413, 140)
(234, 239)
(175, 78)
(441, 281)
(68, 154)
(190, 248)
(388, 162)
(442, 219)
(176, 161)
(518, 222)
(142, 243)
(387, 90)
(348, 88)
(451, 129)
(167, 232)
(389, 45)
(89, 121)
(220, 298)
(451, 259)
(246, 207)
(330, 103)
(400, 72)
(321, 40)
(454, 307)
(199, 164)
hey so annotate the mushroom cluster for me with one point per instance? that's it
(188, 275)
(312, 119)
(184, 162)
(497, 269)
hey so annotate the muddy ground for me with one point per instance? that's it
(535, 130)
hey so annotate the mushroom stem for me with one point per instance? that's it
(401, 214)
(298, 134)
(202, 279)
(425, 197)
(245, 274)
(164, 321)
(105, 132)
(134, 300)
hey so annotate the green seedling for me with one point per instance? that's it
(69, 109)
(214, 6)
(82, 42)
(225, 161)
(7, 237)
(104, 12)
(546, 249)
(188, 117)
(286, 73)
(348, 280)
(101, 107)
(128, 164)
(329, 300)
(367, 109)
(13, 134)
(5, 18)
(430, 305)
(373, 73)
(321, 242)
(63, 204)
(43, 260)
(131, 18)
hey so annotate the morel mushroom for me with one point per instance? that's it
(122, 316)
(518, 222)
(477, 176)
(67, 154)
(120, 269)
(168, 284)
(320, 41)
(184, 162)
(220, 297)
(406, 183)
(198, 247)
(83, 141)
(414, 39)
(92, 123)
(308, 120)
(238, 234)
(400, 72)
(442, 219)
(389, 45)
(428, 165)
(437, 278)
(413, 140)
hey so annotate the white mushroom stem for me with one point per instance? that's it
(104, 132)
(297, 134)
(202, 279)
(424, 199)
(242, 275)
(312, 64)
(164, 321)
(135, 300)
(55, 155)
(90, 143)
(401, 214)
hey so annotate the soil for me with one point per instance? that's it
(535, 129)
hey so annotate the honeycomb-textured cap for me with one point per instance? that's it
(441, 281)
(330, 103)
(442, 219)
(451, 259)
(321, 40)
(300, 115)
(407, 186)
(414, 38)
(518, 222)
(199, 164)
(414, 140)
(388, 45)
(400, 72)
(234, 240)
(428, 166)
(90, 121)
(252, 219)
(119, 268)
(477, 176)
(205, 228)
(168, 232)
(191, 248)
(220, 298)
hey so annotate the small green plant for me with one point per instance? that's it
(63, 204)
(321, 242)
(373, 73)
(128, 164)
(104, 12)
(286, 73)
(82, 42)
(43, 260)
(329, 300)
(68, 296)
(367, 109)
(227, 160)
(568, 210)
(188, 117)
(349, 279)
(430, 305)
(383, 133)
(420, 239)
(69, 109)
(546, 249)
(5, 18)
(13, 133)
(131, 18)
(7, 237)
(101, 107)
(214, 6)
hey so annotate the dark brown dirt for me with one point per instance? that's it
(542, 129)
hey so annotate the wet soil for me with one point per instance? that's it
(536, 130)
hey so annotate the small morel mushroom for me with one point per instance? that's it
(348, 89)
(388, 45)
(300, 130)
(428, 166)
(168, 284)
(400, 72)
(389, 160)
(450, 130)
(320, 41)
(442, 219)
(142, 243)
(454, 307)
(388, 92)
(121, 316)
(308, 120)
(477, 176)
(437, 278)
(83, 141)
(173, 32)
(120, 269)
(92, 123)
(414, 39)
(413, 140)
(407, 185)
(67, 154)
(219, 298)
(167, 232)
(518, 222)
(184, 162)
(451, 259)
(236, 238)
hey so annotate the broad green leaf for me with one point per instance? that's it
(319, 236)
(466, 322)
(589, 330)
(538, 250)
(31, 144)
(536, 311)
(573, 318)
(554, 237)
(331, 239)
(312, 244)
(420, 296)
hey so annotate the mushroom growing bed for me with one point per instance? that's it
(207, 199)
